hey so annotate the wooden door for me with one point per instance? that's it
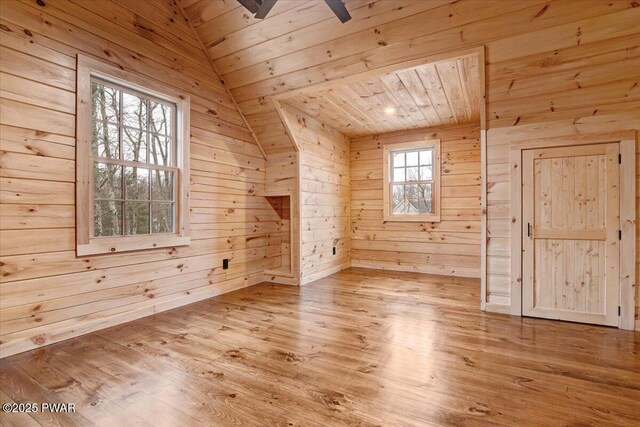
(571, 255)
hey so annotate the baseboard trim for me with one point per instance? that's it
(422, 270)
(497, 308)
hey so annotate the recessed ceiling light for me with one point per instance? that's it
(389, 110)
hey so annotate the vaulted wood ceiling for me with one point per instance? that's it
(258, 58)
(527, 43)
(446, 92)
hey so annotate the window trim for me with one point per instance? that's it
(388, 149)
(87, 68)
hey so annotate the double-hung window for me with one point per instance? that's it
(132, 170)
(412, 181)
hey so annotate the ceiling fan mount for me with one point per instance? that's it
(260, 8)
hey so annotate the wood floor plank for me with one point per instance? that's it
(360, 347)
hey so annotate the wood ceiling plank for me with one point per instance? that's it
(463, 87)
(430, 80)
(353, 112)
(225, 26)
(397, 90)
(200, 11)
(450, 79)
(353, 45)
(601, 27)
(209, 8)
(374, 103)
(335, 116)
(419, 95)
(488, 31)
(359, 107)
(319, 56)
(385, 100)
(366, 16)
(368, 99)
(469, 70)
(299, 14)
(215, 30)
(309, 105)
(354, 99)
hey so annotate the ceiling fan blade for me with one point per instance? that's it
(251, 5)
(339, 9)
(264, 8)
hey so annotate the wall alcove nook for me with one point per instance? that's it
(281, 239)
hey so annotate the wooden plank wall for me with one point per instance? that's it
(450, 247)
(324, 195)
(570, 85)
(47, 294)
(554, 67)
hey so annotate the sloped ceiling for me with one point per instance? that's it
(257, 58)
(430, 95)
(527, 50)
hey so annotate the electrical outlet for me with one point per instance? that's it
(334, 250)
(225, 263)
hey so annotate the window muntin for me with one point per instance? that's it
(133, 153)
(411, 181)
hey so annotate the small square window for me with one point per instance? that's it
(412, 158)
(411, 177)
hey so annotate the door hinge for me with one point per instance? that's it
(619, 234)
(528, 229)
(619, 159)
(619, 311)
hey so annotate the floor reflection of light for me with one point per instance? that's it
(409, 366)
(413, 337)
(393, 355)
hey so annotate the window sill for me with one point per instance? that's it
(412, 218)
(110, 245)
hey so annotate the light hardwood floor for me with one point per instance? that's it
(360, 347)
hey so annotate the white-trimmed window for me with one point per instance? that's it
(132, 161)
(412, 181)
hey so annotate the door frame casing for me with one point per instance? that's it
(627, 144)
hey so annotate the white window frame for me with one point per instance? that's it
(86, 243)
(388, 150)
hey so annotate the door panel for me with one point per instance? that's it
(570, 242)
